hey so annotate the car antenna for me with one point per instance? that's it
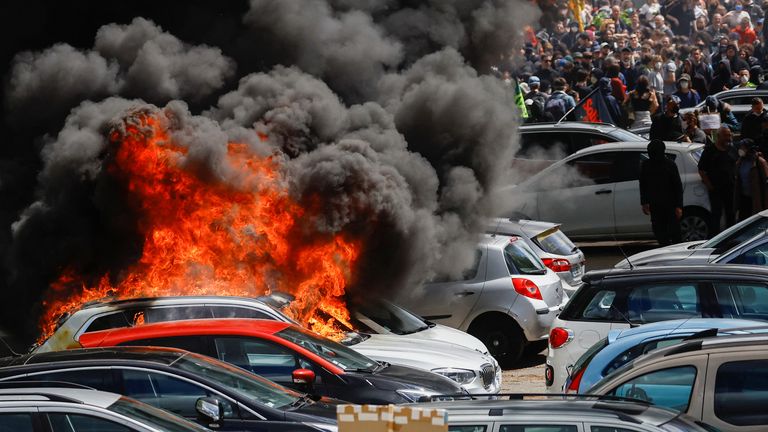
(14, 353)
(496, 230)
(621, 249)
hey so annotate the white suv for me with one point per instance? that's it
(507, 299)
(595, 193)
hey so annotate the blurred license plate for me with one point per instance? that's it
(576, 270)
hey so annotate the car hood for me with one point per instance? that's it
(421, 353)
(669, 255)
(396, 377)
(441, 333)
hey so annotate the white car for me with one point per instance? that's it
(551, 245)
(507, 299)
(479, 373)
(595, 193)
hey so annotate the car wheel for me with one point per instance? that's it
(504, 340)
(694, 225)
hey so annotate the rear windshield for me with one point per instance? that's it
(591, 304)
(555, 242)
(520, 259)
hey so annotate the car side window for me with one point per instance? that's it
(99, 379)
(64, 422)
(164, 314)
(758, 255)
(545, 145)
(16, 422)
(468, 428)
(610, 429)
(670, 388)
(194, 344)
(538, 428)
(239, 312)
(741, 388)
(468, 274)
(264, 358)
(597, 168)
(652, 303)
(167, 392)
(743, 300)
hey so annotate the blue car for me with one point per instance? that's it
(623, 346)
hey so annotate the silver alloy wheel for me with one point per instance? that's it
(694, 227)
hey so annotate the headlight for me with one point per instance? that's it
(324, 427)
(413, 395)
(461, 376)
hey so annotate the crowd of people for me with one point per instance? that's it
(640, 54)
(648, 59)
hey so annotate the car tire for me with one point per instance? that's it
(503, 338)
(695, 224)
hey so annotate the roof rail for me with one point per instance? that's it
(711, 332)
(42, 383)
(531, 396)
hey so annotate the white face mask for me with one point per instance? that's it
(593, 80)
(743, 79)
(684, 85)
(658, 65)
(742, 152)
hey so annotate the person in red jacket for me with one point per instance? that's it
(746, 32)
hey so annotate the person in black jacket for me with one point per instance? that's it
(661, 194)
(752, 124)
(717, 169)
(668, 126)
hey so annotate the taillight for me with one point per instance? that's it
(559, 336)
(557, 264)
(573, 387)
(527, 288)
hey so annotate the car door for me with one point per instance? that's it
(742, 299)
(736, 393)
(447, 301)
(59, 421)
(542, 425)
(630, 218)
(18, 419)
(579, 194)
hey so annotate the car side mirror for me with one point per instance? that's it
(210, 412)
(303, 377)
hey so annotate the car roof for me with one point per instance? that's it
(701, 344)
(144, 301)
(232, 326)
(80, 396)
(690, 270)
(163, 356)
(602, 127)
(635, 145)
(625, 410)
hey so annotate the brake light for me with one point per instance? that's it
(559, 336)
(557, 264)
(527, 288)
(573, 387)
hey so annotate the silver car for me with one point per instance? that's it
(700, 252)
(79, 409)
(582, 414)
(551, 245)
(507, 299)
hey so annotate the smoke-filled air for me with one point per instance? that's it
(325, 148)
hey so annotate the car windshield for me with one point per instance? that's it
(555, 242)
(521, 260)
(161, 420)
(738, 233)
(391, 317)
(696, 154)
(250, 385)
(329, 350)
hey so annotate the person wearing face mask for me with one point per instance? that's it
(744, 80)
(655, 76)
(751, 172)
(661, 194)
(668, 126)
(717, 169)
(689, 97)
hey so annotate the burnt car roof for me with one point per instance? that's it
(163, 356)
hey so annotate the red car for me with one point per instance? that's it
(287, 354)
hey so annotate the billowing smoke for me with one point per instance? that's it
(380, 112)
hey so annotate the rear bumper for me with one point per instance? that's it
(536, 321)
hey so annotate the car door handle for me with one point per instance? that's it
(465, 293)
(603, 191)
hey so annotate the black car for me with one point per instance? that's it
(175, 380)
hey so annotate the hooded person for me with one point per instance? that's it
(689, 97)
(668, 125)
(661, 194)
(723, 79)
(614, 109)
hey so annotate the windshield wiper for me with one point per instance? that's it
(301, 401)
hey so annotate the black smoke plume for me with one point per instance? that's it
(382, 108)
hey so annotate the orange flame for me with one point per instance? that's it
(212, 237)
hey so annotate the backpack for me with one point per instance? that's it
(556, 106)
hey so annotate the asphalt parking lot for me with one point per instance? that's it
(528, 374)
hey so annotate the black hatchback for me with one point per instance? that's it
(175, 380)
